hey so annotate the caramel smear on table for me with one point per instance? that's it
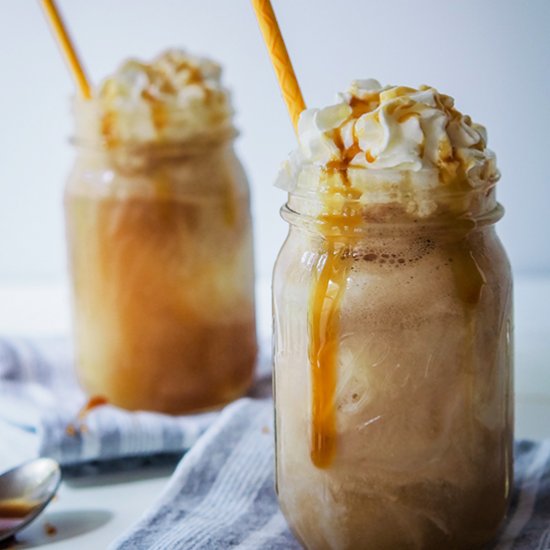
(50, 530)
(71, 430)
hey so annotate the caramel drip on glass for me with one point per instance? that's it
(324, 334)
(469, 278)
(324, 307)
(108, 129)
(330, 274)
(158, 109)
(93, 403)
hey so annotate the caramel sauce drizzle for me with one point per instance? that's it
(361, 107)
(16, 508)
(332, 268)
(326, 296)
(108, 129)
(158, 109)
(160, 81)
(324, 331)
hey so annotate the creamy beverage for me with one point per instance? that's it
(160, 240)
(393, 328)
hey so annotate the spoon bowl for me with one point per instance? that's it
(24, 492)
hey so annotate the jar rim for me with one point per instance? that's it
(399, 222)
(194, 145)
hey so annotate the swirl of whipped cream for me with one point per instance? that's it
(174, 98)
(396, 128)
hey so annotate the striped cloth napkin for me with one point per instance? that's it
(39, 394)
(221, 494)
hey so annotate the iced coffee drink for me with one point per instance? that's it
(393, 328)
(160, 240)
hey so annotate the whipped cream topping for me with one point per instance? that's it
(394, 128)
(175, 97)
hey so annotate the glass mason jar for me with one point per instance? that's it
(160, 244)
(393, 375)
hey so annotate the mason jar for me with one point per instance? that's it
(393, 373)
(160, 245)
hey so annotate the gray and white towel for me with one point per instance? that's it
(39, 393)
(222, 496)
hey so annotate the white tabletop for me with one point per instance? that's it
(91, 511)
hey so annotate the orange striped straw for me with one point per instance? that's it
(67, 47)
(279, 58)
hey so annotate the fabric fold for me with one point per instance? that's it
(39, 393)
(222, 493)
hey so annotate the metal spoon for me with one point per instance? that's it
(25, 491)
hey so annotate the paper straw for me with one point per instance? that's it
(279, 58)
(67, 47)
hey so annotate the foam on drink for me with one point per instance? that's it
(175, 97)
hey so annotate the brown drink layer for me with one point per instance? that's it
(163, 280)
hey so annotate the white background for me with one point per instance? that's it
(492, 55)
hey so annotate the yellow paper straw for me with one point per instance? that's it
(67, 47)
(279, 58)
